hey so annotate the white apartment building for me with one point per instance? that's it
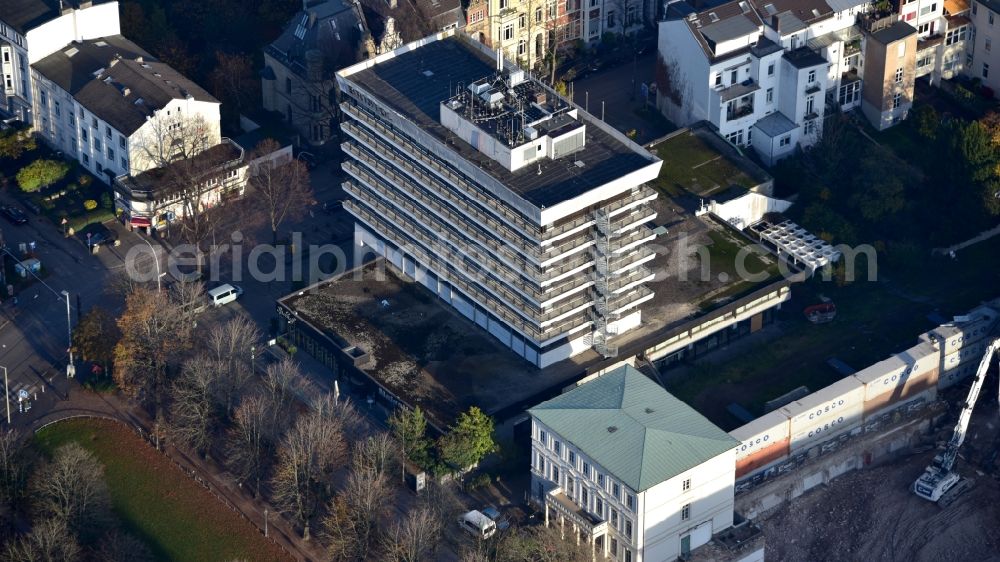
(765, 72)
(31, 30)
(110, 105)
(507, 201)
(637, 473)
(985, 16)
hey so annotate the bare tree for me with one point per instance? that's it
(164, 140)
(281, 383)
(281, 189)
(119, 546)
(232, 345)
(378, 454)
(71, 488)
(415, 538)
(189, 298)
(154, 335)
(194, 412)
(308, 454)
(351, 525)
(50, 540)
(251, 439)
(13, 466)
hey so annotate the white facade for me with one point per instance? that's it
(673, 517)
(19, 50)
(550, 278)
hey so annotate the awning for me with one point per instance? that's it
(140, 221)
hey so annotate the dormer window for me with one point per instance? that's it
(712, 16)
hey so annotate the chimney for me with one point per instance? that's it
(139, 59)
(125, 92)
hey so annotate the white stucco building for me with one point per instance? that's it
(31, 30)
(641, 475)
(514, 206)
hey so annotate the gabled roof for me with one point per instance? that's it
(25, 15)
(441, 13)
(633, 428)
(333, 28)
(73, 66)
(113, 78)
(789, 16)
(718, 23)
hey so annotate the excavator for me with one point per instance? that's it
(940, 483)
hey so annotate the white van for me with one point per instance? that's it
(478, 525)
(224, 294)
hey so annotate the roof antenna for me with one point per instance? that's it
(499, 59)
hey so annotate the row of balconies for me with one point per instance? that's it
(501, 309)
(470, 188)
(531, 310)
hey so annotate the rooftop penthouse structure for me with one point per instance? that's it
(510, 203)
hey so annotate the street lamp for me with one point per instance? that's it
(71, 367)
(6, 392)
(156, 260)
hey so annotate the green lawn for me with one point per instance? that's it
(178, 519)
(723, 253)
(689, 164)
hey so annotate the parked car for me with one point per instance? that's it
(97, 235)
(13, 214)
(477, 525)
(501, 521)
(224, 294)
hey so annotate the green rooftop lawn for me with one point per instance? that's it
(689, 164)
(178, 519)
(723, 253)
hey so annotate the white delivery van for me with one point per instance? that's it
(478, 525)
(224, 294)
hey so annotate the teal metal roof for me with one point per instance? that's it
(633, 428)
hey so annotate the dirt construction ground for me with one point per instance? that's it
(872, 515)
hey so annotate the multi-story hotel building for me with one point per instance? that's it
(516, 207)
(634, 471)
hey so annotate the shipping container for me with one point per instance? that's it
(953, 336)
(901, 378)
(956, 366)
(762, 442)
(825, 413)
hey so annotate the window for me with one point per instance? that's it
(43, 98)
(897, 99)
(57, 110)
(899, 75)
(121, 141)
(111, 155)
(543, 438)
(810, 127)
(733, 77)
(769, 95)
(770, 69)
(600, 481)
(988, 44)
(83, 135)
(503, 4)
(974, 10)
(107, 131)
(923, 28)
(538, 15)
(785, 140)
(986, 70)
(93, 121)
(124, 164)
(991, 18)
(555, 474)
(928, 9)
(599, 507)
(923, 62)
(810, 103)
(100, 169)
(522, 47)
(955, 35)
(628, 529)
(718, 79)
(614, 518)
(86, 159)
(628, 555)
(630, 502)
(572, 459)
(611, 18)
(584, 497)
(614, 548)
(850, 93)
(901, 50)
(686, 485)
(288, 85)
(811, 77)
(586, 470)
(615, 490)
(97, 144)
(316, 104)
(557, 447)
(522, 21)
(686, 512)
(508, 32)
